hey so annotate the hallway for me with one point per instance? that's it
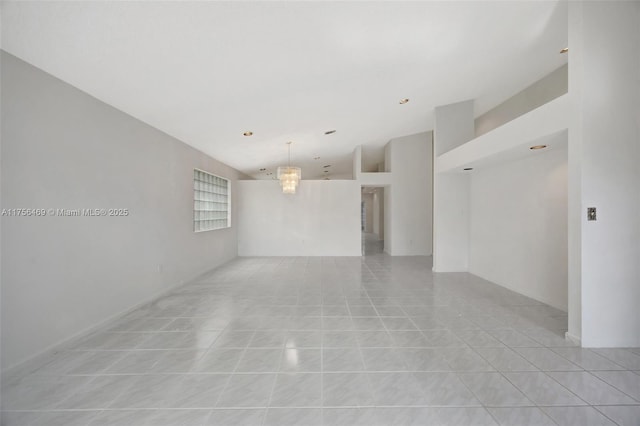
(331, 341)
(371, 245)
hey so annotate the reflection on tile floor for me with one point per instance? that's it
(331, 341)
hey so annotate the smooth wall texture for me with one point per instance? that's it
(409, 230)
(367, 199)
(453, 127)
(63, 149)
(321, 219)
(378, 213)
(518, 225)
(387, 201)
(604, 152)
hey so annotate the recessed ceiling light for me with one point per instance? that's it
(328, 165)
(328, 132)
(468, 168)
(326, 171)
(538, 147)
(404, 101)
(248, 133)
(316, 158)
(263, 169)
(565, 50)
(269, 174)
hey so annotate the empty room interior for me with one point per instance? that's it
(320, 213)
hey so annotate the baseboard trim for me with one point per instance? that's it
(573, 339)
(47, 355)
(523, 293)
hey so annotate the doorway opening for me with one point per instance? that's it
(372, 220)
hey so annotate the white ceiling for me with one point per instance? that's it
(205, 72)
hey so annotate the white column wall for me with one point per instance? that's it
(368, 212)
(604, 48)
(388, 214)
(378, 213)
(454, 125)
(411, 162)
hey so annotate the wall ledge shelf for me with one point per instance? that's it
(510, 141)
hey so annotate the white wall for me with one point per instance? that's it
(387, 201)
(356, 159)
(604, 153)
(388, 156)
(378, 213)
(453, 127)
(451, 223)
(64, 149)
(372, 159)
(518, 225)
(409, 229)
(368, 212)
(321, 219)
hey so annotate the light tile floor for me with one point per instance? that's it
(332, 341)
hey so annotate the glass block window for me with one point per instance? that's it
(211, 202)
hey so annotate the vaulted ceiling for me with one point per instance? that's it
(206, 72)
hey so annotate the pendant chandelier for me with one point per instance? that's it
(289, 176)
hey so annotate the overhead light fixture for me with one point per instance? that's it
(248, 133)
(468, 168)
(328, 132)
(565, 50)
(289, 176)
(404, 101)
(537, 147)
(328, 165)
(316, 158)
(263, 169)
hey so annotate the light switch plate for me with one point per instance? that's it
(591, 213)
